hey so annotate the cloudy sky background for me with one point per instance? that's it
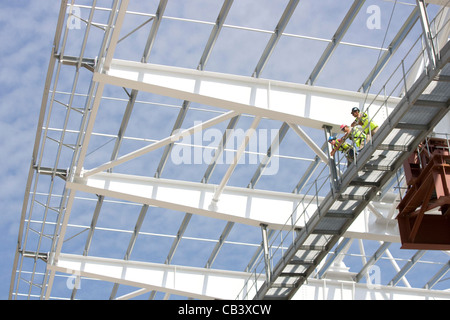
(27, 30)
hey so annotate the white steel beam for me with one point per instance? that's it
(241, 205)
(327, 289)
(299, 104)
(205, 283)
(200, 283)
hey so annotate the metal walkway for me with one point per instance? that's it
(423, 105)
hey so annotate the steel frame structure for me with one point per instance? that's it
(96, 220)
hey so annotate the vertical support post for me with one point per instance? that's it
(427, 32)
(332, 163)
(266, 252)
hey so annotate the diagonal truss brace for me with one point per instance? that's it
(170, 139)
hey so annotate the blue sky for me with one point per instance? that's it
(27, 30)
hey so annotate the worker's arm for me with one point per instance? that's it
(333, 152)
(340, 143)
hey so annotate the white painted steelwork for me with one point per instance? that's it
(98, 214)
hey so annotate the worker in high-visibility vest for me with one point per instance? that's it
(354, 134)
(362, 119)
(344, 147)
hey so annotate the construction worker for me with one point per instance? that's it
(362, 119)
(344, 147)
(354, 134)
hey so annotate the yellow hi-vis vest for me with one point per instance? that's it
(366, 124)
(344, 147)
(357, 136)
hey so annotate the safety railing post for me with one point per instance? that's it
(266, 252)
(404, 79)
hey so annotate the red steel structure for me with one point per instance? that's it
(424, 212)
